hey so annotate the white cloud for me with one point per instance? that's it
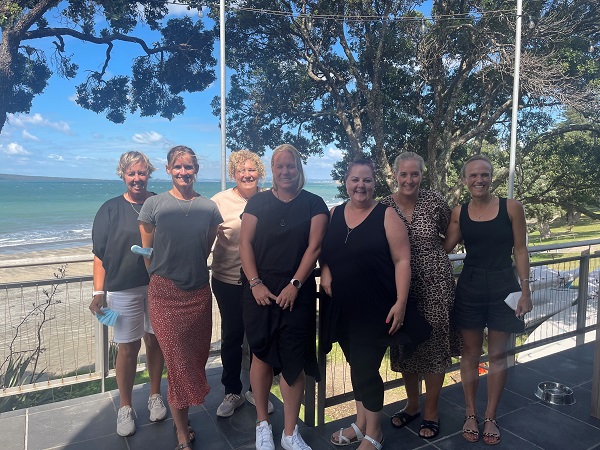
(151, 137)
(20, 121)
(334, 153)
(29, 136)
(181, 10)
(13, 149)
(56, 157)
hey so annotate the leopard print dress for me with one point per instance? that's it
(432, 284)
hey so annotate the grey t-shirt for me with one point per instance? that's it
(180, 240)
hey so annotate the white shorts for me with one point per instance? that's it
(133, 320)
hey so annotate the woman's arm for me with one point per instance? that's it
(147, 233)
(519, 228)
(210, 239)
(397, 238)
(453, 235)
(99, 275)
(318, 227)
(261, 293)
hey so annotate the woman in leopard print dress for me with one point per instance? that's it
(426, 216)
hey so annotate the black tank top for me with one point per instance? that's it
(489, 244)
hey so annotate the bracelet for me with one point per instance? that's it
(523, 280)
(97, 293)
(256, 283)
(255, 278)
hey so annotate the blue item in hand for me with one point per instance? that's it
(108, 318)
(145, 252)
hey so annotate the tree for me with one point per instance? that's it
(181, 61)
(376, 78)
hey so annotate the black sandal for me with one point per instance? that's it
(431, 425)
(404, 417)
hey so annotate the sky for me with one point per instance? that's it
(59, 138)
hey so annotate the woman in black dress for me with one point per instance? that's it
(280, 241)
(493, 229)
(366, 268)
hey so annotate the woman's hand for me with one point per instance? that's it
(262, 295)
(396, 316)
(97, 304)
(326, 280)
(524, 305)
(287, 297)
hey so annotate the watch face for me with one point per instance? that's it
(297, 283)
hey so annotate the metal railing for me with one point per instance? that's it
(49, 323)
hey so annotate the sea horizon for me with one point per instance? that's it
(52, 213)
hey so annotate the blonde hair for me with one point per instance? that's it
(409, 156)
(129, 159)
(239, 158)
(297, 160)
(479, 157)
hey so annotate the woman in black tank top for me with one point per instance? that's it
(493, 231)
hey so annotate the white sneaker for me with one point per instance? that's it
(250, 398)
(157, 408)
(264, 436)
(294, 442)
(125, 422)
(230, 403)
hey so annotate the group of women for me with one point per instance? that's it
(383, 266)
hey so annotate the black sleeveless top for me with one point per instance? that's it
(489, 244)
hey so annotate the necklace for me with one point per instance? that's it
(189, 206)
(485, 210)
(136, 211)
(350, 230)
(133, 202)
(284, 201)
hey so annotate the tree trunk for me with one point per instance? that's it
(544, 228)
(8, 50)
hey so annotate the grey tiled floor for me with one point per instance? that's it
(88, 423)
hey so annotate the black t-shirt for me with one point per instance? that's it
(115, 230)
(282, 230)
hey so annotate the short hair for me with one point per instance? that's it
(360, 162)
(238, 158)
(409, 156)
(128, 159)
(297, 159)
(478, 157)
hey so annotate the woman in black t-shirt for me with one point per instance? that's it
(280, 241)
(123, 276)
(493, 229)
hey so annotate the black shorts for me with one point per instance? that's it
(284, 339)
(480, 298)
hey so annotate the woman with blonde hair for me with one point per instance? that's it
(280, 241)
(493, 230)
(122, 277)
(181, 225)
(426, 216)
(246, 169)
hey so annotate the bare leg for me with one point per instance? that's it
(497, 345)
(433, 384)
(125, 368)
(261, 379)
(155, 362)
(373, 428)
(469, 372)
(180, 418)
(411, 384)
(292, 397)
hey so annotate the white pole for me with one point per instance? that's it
(223, 116)
(515, 103)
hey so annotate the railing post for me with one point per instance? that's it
(309, 402)
(582, 296)
(595, 403)
(101, 360)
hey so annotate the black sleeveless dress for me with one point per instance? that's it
(363, 284)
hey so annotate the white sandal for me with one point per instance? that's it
(343, 440)
(377, 445)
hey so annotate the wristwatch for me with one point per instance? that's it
(296, 283)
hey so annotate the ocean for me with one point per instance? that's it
(58, 213)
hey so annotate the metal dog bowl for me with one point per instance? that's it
(555, 393)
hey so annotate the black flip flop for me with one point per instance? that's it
(429, 425)
(404, 418)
